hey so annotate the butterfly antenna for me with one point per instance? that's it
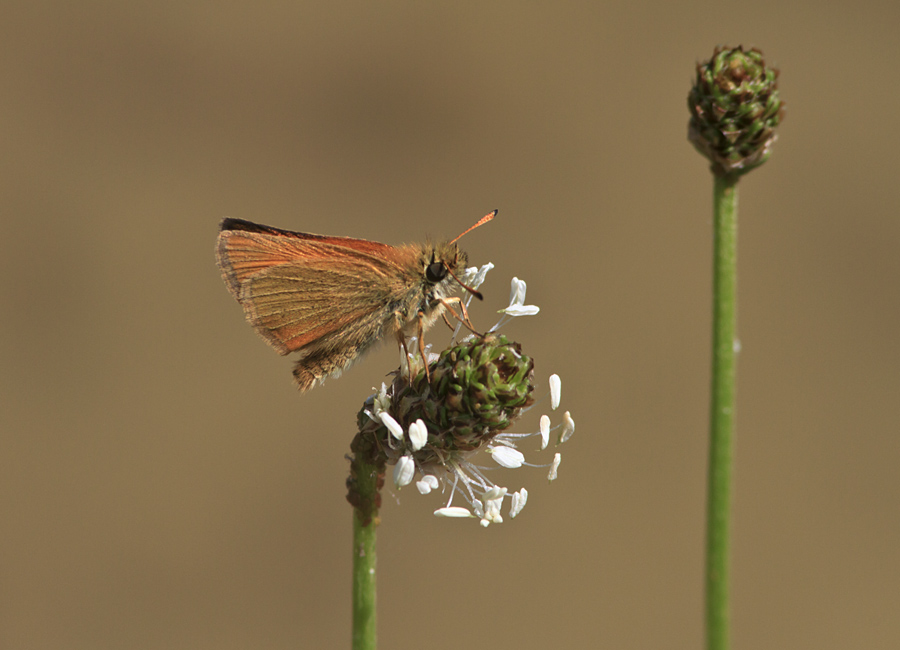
(481, 222)
(474, 292)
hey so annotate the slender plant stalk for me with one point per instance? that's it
(721, 410)
(364, 575)
(735, 107)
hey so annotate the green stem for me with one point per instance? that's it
(721, 410)
(364, 576)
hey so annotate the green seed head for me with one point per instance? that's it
(735, 108)
(477, 389)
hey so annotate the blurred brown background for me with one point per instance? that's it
(164, 486)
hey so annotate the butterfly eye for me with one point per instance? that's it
(435, 272)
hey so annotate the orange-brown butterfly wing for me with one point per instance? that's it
(245, 248)
(298, 289)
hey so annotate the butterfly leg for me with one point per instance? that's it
(402, 340)
(420, 332)
(447, 320)
(464, 319)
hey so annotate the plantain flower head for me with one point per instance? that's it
(435, 428)
(735, 107)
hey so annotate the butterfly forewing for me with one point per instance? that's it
(250, 248)
(287, 281)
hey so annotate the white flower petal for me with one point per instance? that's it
(492, 517)
(392, 425)
(545, 431)
(521, 310)
(519, 499)
(381, 402)
(490, 510)
(517, 292)
(507, 457)
(493, 506)
(418, 434)
(428, 483)
(453, 511)
(404, 471)
(474, 277)
(568, 428)
(554, 466)
(555, 391)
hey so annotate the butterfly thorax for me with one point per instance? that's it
(428, 271)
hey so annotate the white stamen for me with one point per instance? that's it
(494, 493)
(452, 511)
(404, 471)
(517, 306)
(507, 457)
(428, 483)
(392, 425)
(555, 391)
(554, 466)
(521, 310)
(474, 277)
(418, 434)
(545, 431)
(490, 510)
(381, 402)
(517, 292)
(518, 502)
(568, 428)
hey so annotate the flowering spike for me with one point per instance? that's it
(735, 108)
(477, 388)
(433, 425)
